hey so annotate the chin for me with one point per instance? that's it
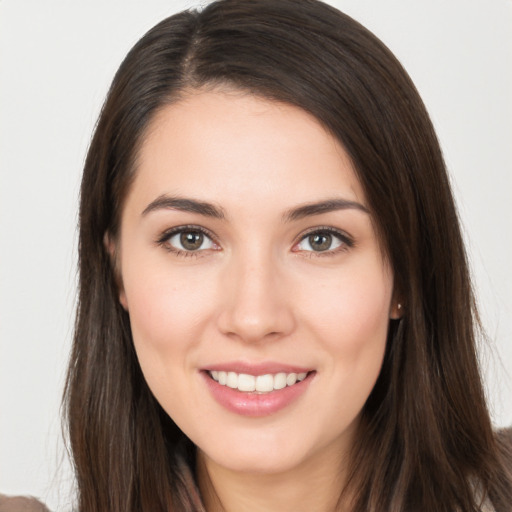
(258, 462)
(264, 454)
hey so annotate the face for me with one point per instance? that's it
(258, 294)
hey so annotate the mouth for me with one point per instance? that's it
(257, 384)
(257, 390)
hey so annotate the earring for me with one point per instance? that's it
(396, 314)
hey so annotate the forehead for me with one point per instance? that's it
(235, 147)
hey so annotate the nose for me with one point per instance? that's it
(257, 303)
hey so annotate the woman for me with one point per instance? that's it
(275, 310)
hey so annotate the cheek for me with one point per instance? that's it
(349, 318)
(167, 311)
(350, 314)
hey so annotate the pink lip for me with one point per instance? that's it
(256, 404)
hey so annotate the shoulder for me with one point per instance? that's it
(505, 434)
(501, 487)
(504, 441)
(20, 504)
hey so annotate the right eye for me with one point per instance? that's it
(187, 240)
(190, 241)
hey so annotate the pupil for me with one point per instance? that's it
(320, 242)
(191, 240)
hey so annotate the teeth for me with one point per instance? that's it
(280, 381)
(232, 380)
(246, 382)
(291, 379)
(264, 383)
(261, 383)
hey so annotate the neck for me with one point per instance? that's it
(314, 485)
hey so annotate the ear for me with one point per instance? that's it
(111, 248)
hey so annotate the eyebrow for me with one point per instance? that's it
(165, 202)
(329, 205)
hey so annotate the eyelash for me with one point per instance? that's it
(347, 242)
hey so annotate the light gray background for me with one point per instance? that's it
(57, 59)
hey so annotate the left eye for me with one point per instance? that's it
(320, 241)
(190, 240)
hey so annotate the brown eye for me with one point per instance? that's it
(320, 241)
(187, 240)
(191, 240)
(324, 240)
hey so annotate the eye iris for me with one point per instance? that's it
(191, 240)
(320, 242)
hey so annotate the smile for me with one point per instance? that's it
(259, 384)
(273, 387)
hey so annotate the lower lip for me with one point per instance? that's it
(256, 404)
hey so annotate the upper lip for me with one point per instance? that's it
(256, 369)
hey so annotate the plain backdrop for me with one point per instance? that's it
(56, 62)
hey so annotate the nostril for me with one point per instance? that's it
(256, 322)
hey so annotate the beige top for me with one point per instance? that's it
(20, 504)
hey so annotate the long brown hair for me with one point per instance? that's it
(426, 441)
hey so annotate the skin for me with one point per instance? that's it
(256, 292)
